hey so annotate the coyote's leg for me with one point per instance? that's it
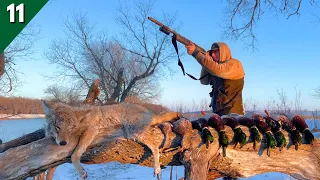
(154, 147)
(44, 176)
(156, 163)
(50, 173)
(85, 140)
(39, 176)
(165, 117)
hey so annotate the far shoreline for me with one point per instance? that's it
(21, 116)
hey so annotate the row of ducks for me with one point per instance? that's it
(268, 126)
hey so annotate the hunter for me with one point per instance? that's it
(226, 76)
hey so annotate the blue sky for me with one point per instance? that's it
(288, 54)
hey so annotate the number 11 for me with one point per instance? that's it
(11, 8)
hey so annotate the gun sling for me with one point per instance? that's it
(174, 42)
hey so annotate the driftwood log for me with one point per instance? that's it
(31, 159)
(34, 153)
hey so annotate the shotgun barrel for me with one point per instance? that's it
(165, 29)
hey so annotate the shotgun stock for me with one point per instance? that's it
(180, 38)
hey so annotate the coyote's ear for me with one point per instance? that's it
(47, 107)
(81, 114)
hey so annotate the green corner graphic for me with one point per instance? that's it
(20, 12)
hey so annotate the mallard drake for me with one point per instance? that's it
(288, 126)
(216, 122)
(302, 126)
(276, 130)
(254, 132)
(201, 124)
(239, 136)
(265, 129)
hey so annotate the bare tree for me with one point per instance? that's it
(284, 105)
(179, 107)
(194, 106)
(63, 94)
(297, 102)
(143, 39)
(129, 66)
(1, 64)
(270, 105)
(19, 49)
(317, 18)
(204, 105)
(251, 105)
(315, 119)
(316, 93)
(242, 16)
(19, 105)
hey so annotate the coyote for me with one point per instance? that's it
(89, 123)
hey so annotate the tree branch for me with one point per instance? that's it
(317, 92)
(296, 12)
(1, 64)
(93, 93)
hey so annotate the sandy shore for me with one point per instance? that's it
(21, 116)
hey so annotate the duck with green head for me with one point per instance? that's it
(254, 132)
(302, 126)
(276, 130)
(239, 135)
(216, 122)
(201, 124)
(265, 129)
(288, 126)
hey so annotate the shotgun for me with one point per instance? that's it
(181, 39)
